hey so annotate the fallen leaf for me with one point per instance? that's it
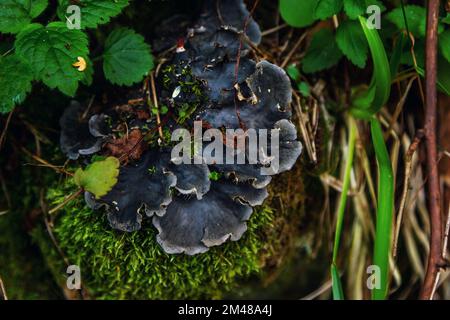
(80, 64)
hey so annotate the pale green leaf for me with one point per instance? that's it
(99, 177)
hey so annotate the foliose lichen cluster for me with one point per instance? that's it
(227, 89)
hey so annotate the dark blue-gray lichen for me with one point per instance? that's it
(76, 137)
(191, 211)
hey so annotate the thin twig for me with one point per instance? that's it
(5, 129)
(45, 163)
(155, 103)
(319, 291)
(434, 194)
(65, 201)
(293, 50)
(408, 169)
(274, 29)
(399, 107)
(302, 119)
(444, 253)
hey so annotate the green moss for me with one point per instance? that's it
(132, 265)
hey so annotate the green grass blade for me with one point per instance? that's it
(384, 211)
(380, 87)
(336, 282)
(338, 293)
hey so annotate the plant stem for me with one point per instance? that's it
(383, 233)
(337, 287)
(434, 196)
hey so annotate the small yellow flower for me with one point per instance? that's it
(80, 64)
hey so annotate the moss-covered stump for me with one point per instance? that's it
(122, 265)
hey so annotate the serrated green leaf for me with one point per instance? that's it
(355, 8)
(327, 8)
(127, 58)
(16, 14)
(444, 44)
(99, 177)
(93, 12)
(298, 13)
(415, 17)
(323, 52)
(15, 82)
(352, 42)
(51, 51)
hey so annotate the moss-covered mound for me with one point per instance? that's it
(133, 266)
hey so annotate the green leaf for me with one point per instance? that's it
(355, 8)
(380, 87)
(93, 12)
(335, 278)
(327, 8)
(352, 42)
(293, 72)
(15, 82)
(99, 177)
(385, 208)
(298, 13)
(164, 109)
(415, 17)
(443, 80)
(214, 175)
(303, 87)
(16, 14)
(336, 284)
(51, 51)
(323, 52)
(444, 44)
(446, 20)
(127, 58)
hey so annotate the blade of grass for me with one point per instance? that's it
(336, 282)
(366, 107)
(383, 233)
(336, 285)
(379, 91)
